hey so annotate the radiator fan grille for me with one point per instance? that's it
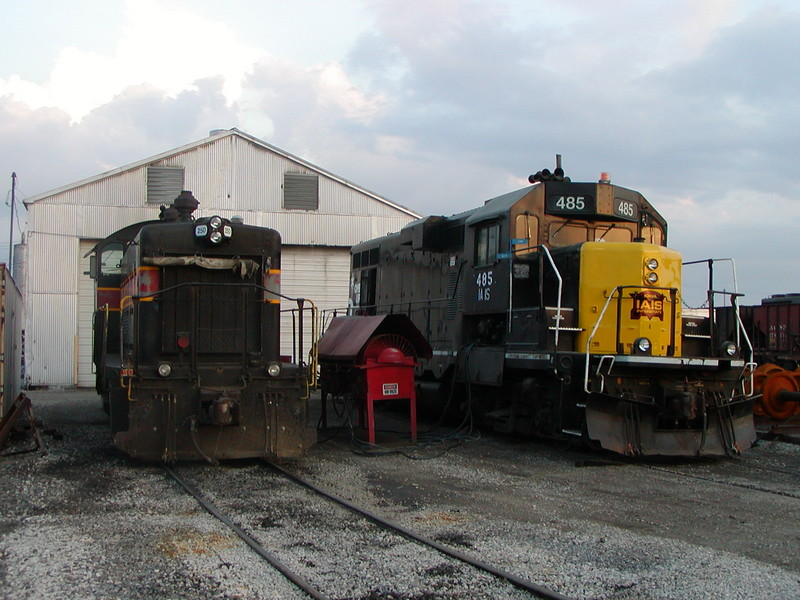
(379, 343)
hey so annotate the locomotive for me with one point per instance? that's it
(186, 340)
(557, 311)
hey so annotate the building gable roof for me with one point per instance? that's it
(215, 137)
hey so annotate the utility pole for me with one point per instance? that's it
(10, 265)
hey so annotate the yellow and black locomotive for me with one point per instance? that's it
(557, 309)
(186, 340)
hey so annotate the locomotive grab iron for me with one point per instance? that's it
(557, 307)
(186, 341)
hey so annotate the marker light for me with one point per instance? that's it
(729, 349)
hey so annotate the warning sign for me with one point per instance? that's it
(391, 389)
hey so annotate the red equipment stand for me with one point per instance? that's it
(389, 377)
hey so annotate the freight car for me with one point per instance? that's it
(186, 340)
(774, 328)
(556, 309)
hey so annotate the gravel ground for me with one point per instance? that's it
(82, 521)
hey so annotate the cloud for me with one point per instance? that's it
(163, 47)
(48, 150)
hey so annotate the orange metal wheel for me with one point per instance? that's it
(780, 391)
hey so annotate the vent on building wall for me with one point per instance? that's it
(164, 184)
(300, 191)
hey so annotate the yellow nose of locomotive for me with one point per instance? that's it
(629, 299)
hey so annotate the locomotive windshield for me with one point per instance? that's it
(111, 260)
(566, 233)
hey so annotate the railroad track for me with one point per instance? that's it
(728, 483)
(312, 589)
(590, 461)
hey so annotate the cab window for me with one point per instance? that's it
(526, 227)
(111, 260)
(487, 244)
(567, 233)
(653, 235)
(613, 234)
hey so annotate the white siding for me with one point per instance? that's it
(56, 261)
(50, 339)
(321, 275)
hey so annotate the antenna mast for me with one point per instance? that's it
(10, 265)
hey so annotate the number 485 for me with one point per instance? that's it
(571, 203)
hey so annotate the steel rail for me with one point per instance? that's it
(247, 538)
(745, 486)
(524, 584)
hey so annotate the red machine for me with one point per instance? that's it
(371, 358)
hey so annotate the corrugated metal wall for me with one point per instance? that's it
(51, 339)
(229, 175)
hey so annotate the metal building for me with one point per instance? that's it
(318, 214)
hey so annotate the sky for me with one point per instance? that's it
(437, 105)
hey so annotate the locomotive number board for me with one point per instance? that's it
(570, 204)
(626, 209)
(580, 200)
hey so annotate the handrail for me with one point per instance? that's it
(711, 293)
(313, 352)
(543, 303)
(600, 317)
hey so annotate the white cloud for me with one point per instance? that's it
(164, 47)
(334, 86)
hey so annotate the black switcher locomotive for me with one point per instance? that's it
(186, 341)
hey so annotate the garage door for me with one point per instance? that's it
(321, 274)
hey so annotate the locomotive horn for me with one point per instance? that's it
(185, 204)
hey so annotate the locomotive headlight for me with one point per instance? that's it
(642, 345)
(215, 222)
(215, 236)
(274, 369)
(651, 264)
(651, 278)
(729, 349)
(164, 369)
